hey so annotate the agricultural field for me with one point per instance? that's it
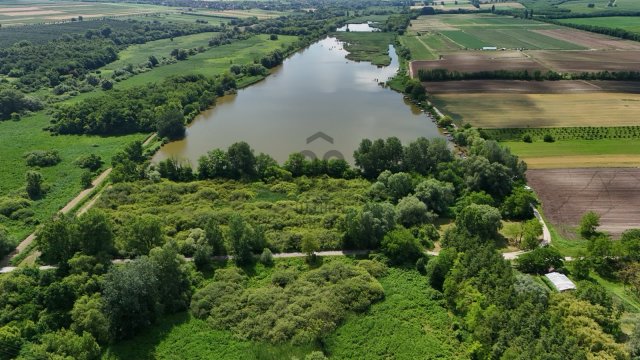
(629, 23)
(531, 87)
(590, 40)
(186, 17)
(588, 61)
(419, 49)
(242, 14)
(566, 194)
(38, 12)
(475, 61)
(507, 110)
(581, 6)
(578, 153)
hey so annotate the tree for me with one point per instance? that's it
(588, 224)
(365, 229)
(548, 138)
(400, 246)
(309, 246)
(56, 240)
(215, 164)
(399, 185)
(411, 211)
(131, 297)
(479, 220)
(540, 261)
(64, 344)
(170, 121)
(6, 243)
(531, 231)
(437, 195)
(88, 316)
(85, 179)
(153, 61)
(296, 164)
(10, 342)
(517, 206)
(214, 237)
(242, 161)
(94, 233)
(172, 270)
(141, 234)
(634, 341)
(34, 184)
(240, 242)
(266, 258)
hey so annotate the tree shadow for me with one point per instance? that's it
(144, 344)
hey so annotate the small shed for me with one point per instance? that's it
(560, 281)
(492, 48)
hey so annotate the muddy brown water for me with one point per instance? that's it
(315, 91)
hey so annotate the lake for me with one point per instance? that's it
(317, 102)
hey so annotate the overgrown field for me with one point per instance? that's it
(63, 179)
(629, 23)
(541, 110)
(566, 133)
(578, 153)
(407, 324)
(287, 211)
(36, 12)
(367, 46)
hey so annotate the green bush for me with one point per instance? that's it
(42, 158)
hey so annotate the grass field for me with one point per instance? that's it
(36, 12)
(541, 110)
(629, 23)
(578, 153)
(367, 46)
(185, 18)
(26, 135)
(419, 49)
(408, 324)
(138, 54)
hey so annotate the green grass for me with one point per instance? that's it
(408, 324)
(580, 6)
(465, 39)
(138, 54)
(629, 23)
(575, 147)
(419, 50)
(372, 46)
(438, 42)
(181, 336)
(63, 179)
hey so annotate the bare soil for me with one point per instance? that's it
(468, 61)
(588, 61)
(531, 87)
(590, 40)
(566, 194)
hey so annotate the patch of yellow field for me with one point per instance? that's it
(34, 12)
(497, 110)
(582, 161)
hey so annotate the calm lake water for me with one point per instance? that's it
(366, 27)
(315, 91)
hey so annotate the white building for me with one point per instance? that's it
(560, 281)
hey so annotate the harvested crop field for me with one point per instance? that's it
(566, 194)
(479, 61)
(589, 61)
(590, 40)
(531, 87)
(504, 110)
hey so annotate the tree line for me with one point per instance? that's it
(535, 75)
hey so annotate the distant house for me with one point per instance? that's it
(490, 48)
(560, 281)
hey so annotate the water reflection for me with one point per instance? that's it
(316, 90)
(366, 27)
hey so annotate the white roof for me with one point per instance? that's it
(560, 281)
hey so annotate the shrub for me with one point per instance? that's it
(527, 138)
(266, 258)
(548, 138)
(42, 158)
(92, 162)
(400, 246)
(34, 184)
(9, 205)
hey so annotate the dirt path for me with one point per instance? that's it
(65, 210)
